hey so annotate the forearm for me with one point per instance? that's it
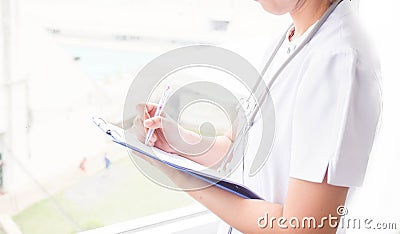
(305, 200)
(242, 214)
(219, 147)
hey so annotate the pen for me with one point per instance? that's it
(159, 109)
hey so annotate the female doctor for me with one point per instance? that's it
(327, 107)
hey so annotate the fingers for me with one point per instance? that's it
(146, 122)
(146, 113)
(148, 109)
(153, 139)
(153, 123)
(151, 107)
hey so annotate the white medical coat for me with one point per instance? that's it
(327, 109)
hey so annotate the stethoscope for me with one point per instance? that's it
(256, 108)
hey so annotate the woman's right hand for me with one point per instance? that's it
(146, 121)
(170, 137)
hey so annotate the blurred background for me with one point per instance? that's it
(63, 61)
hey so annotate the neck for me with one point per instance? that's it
(306, 13)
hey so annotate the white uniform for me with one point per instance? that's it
(327, 108)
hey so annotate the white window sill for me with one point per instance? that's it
(189, 220)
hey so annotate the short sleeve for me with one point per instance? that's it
(336, 114)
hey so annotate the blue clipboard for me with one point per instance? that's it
(116, 134)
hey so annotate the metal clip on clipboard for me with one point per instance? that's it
(115, 135)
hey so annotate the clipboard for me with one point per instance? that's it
(117, 135)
